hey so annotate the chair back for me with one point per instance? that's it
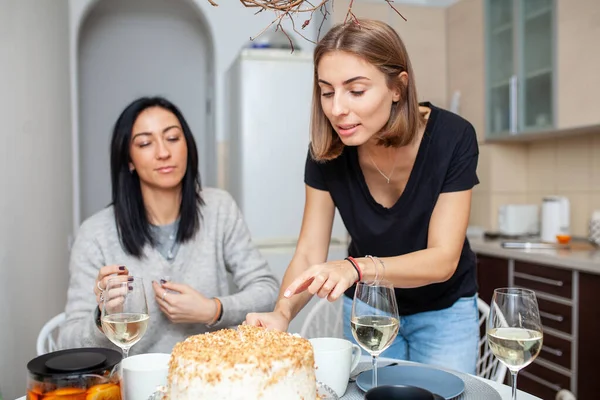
(488, 366)
(325, 319)
(46, 341)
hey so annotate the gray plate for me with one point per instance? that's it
(436, 381)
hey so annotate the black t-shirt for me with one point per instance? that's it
(446, 162)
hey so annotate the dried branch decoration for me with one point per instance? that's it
(290, 8)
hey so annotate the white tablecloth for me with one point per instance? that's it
(506, 391)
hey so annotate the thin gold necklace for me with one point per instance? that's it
(387, 178)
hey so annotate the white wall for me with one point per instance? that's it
(35, 178)
(231, 25)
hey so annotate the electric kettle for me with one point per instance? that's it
(555, 218)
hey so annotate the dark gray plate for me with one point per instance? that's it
(400, 392)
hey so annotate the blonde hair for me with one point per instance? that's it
(378, 44)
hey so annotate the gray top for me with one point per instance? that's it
(166, 239)
(222, 245)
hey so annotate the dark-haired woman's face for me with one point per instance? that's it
(158, 149)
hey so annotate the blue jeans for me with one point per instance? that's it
(447, 338)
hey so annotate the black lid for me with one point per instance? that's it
(74, 361)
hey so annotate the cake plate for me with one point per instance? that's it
(324, 392)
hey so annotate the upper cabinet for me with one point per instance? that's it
(520, 66)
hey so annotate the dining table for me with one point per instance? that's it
(476, 388)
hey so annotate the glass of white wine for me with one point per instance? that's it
(514, 330)
(374, 321)
(125, 312)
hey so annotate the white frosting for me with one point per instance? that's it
(246, 382)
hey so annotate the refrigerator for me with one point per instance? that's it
(269, 94)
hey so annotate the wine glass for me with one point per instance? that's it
(374, 321)
(514, 330)
(125, 311)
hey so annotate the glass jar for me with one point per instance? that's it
(75, 374)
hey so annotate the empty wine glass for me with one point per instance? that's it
(125, 312)
(374, 321)
(514, 330)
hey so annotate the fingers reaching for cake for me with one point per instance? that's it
(328, 280)
(183, 304)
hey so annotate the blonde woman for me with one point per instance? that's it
(400, 174)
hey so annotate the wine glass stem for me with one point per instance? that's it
(514, 384)
(374, 359)
(125, 352)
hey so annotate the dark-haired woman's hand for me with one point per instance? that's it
(107, 272)
(183, 304)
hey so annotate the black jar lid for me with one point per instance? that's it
(74, 362)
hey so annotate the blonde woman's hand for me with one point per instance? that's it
(328, 280)
(183, 304)
(271, 320)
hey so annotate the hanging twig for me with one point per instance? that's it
(292, 8)
(279, 26)
(394, 8)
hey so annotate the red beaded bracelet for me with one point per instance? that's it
(352, 261)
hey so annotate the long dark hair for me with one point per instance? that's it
(130, 213)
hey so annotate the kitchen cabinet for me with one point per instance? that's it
(587, 347)
(525, 66)
(520, 70)
(571, 320)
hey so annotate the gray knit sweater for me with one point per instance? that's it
(222, 245)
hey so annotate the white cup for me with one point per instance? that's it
(335, 359)
(142, 374)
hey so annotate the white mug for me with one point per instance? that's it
(142, 374)
(334, 360)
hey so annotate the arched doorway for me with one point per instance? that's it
(133, 48)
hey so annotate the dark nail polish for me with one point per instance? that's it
(130, 278)
(162, 281)
(130, 287)
(122, 268)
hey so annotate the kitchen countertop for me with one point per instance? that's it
(580, 260)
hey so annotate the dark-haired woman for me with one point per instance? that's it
(162, 224)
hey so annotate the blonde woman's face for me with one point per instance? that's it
(354, 96)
